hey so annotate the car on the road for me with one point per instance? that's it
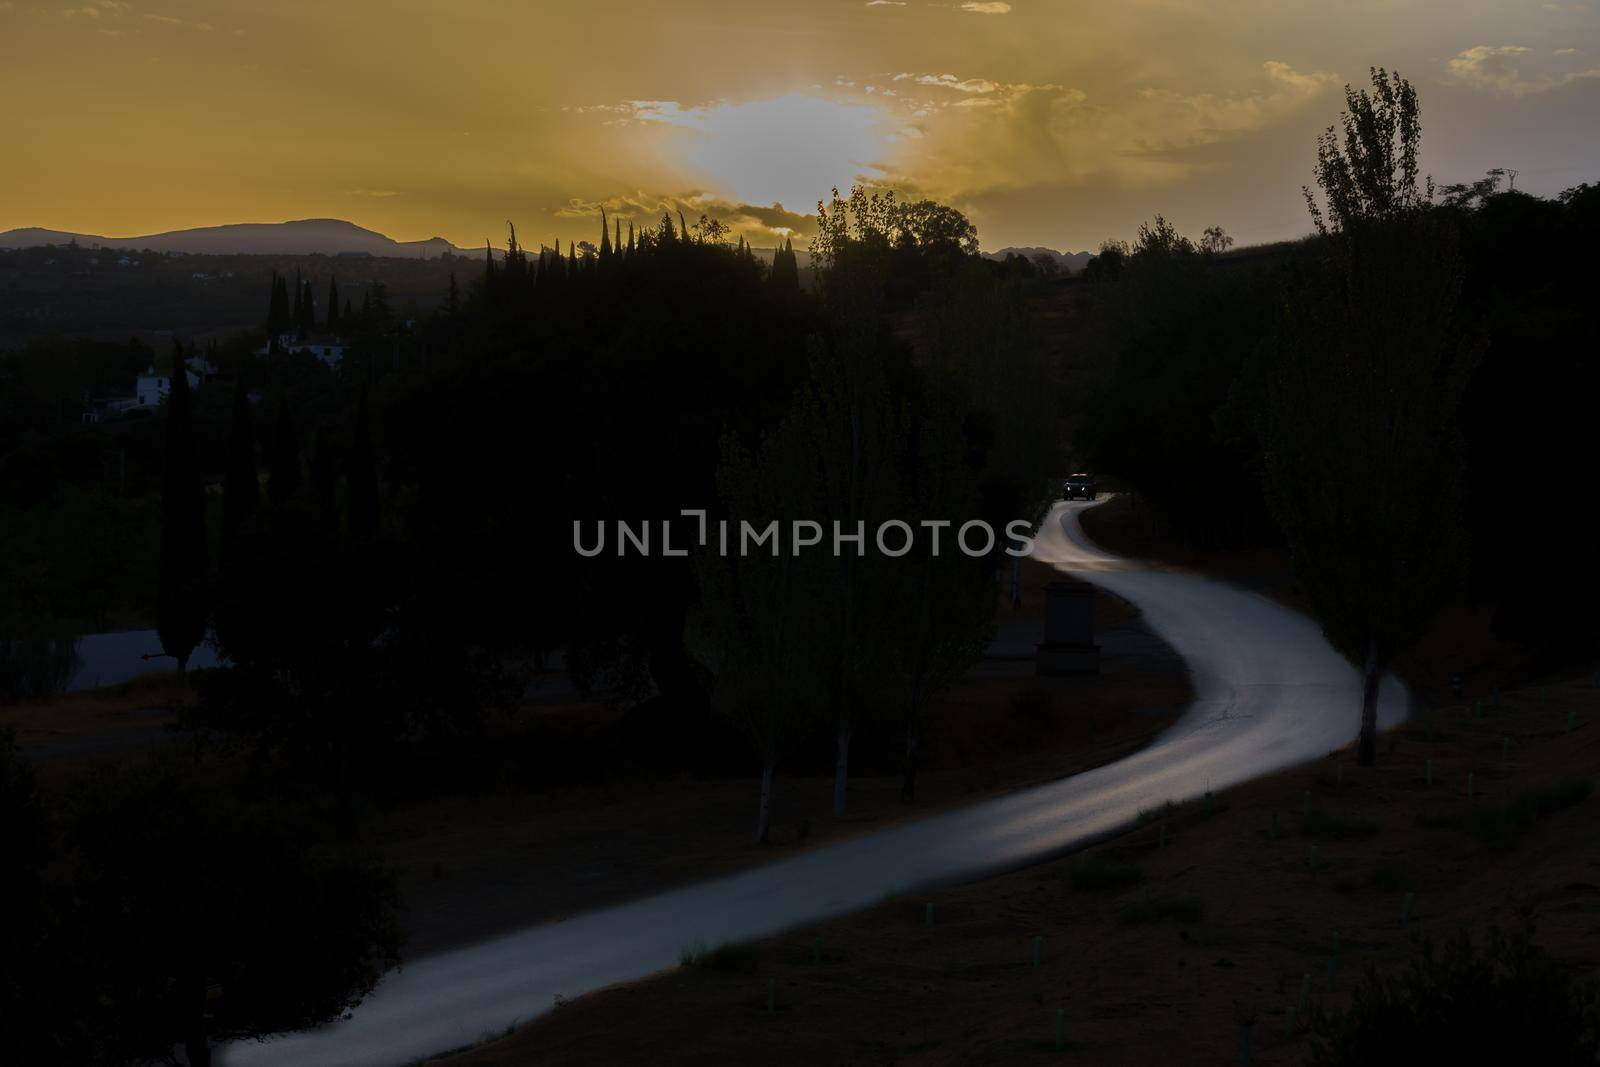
(1079, 487)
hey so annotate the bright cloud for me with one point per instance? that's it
(787, 150)
(1502, 69)
(1491, 67)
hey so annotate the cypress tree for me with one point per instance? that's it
(284, 481)
(347, 312)
(278, 307)
(616, 246)
(307, 318)
(333, 305)
(683, 227)
(630, 238)
(453, 301)
(605, 237)
(362, 480)
(181, 597)
(241, 490)
(299, 300)
(785, 267)
(572, 259)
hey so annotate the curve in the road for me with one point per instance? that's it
(1270, 693)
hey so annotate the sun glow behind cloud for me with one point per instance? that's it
(787, 150)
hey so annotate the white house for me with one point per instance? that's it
(151, 389)
(326, 347)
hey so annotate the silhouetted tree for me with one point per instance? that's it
(1107, 264)
(932, 226)
(1363, 461)
(267, 933)
(284, 481)
(306, 317)
(1368, 168)
(1215, 241)
(362, 480)
(181, 602)
(785, 275)
(757, 614)
(240, 487)
(43, 1025)
(333, 304)
(278, 319)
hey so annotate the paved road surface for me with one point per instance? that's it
(1270, 693)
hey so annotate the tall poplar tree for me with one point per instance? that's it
(1363, 462)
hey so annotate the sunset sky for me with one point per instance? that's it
(1051, 122)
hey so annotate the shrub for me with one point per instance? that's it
(728, 956)
(1503, 826)
(1333, 826)
(1507, 1002)
(1155, 909)
(1095, 874)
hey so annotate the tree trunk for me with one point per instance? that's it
(841, 771)
(764, 815)
(1371, 675)
(198, 1050)
(908, 781)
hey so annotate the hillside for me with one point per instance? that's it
(86, 292)
(301, 237)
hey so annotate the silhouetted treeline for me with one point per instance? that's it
(1184, 343)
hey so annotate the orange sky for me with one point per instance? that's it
(1058, 123)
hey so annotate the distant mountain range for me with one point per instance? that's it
(332, 237)
(302, 237)
(1074, 261)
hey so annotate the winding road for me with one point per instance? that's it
(1270, 693)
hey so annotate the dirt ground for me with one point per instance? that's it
(74, 730)
(1167, 942)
